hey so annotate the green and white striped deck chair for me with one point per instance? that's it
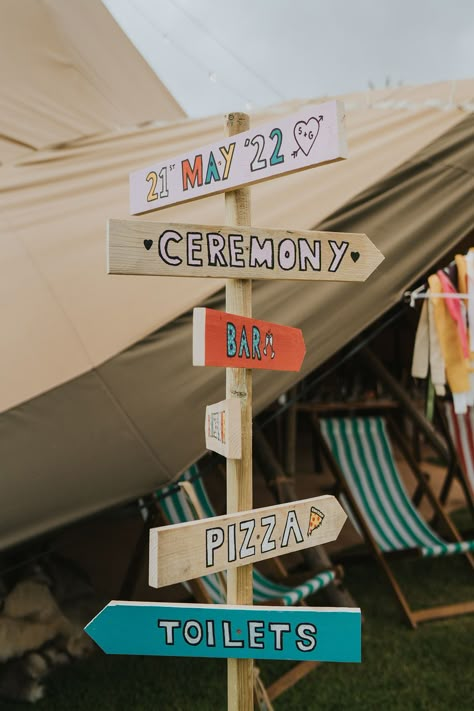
(178, 506)
(380, 505)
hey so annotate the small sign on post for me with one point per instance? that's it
(223, 428)
(232, 341)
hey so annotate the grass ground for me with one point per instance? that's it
(428, 669)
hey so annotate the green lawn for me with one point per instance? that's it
(427, 669)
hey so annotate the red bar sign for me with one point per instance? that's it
(231, 341)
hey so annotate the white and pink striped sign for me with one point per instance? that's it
(312, 136)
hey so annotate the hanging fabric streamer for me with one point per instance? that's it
(455, 362)
(421, 351)
(437, 366)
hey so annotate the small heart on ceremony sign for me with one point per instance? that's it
(355, 256)
(148, 243)
(306, 132)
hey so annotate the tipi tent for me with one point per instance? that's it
(99, 402)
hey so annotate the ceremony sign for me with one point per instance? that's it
(239, 632)
(232, 341)
(312, 136)
(152, 248)
(223, 428)
(191, 550)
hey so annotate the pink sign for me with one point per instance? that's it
(312, 136)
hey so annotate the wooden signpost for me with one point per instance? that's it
(238, 632)
(223, 428)
(232, 341)
(312, 136)
(192, 550)
(151, 248)
(235, 340)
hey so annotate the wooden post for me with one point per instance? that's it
(239, 471)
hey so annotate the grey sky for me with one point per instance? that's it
(217, 56)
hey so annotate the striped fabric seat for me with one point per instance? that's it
(362, 449)
(461, 429)
(177, 509)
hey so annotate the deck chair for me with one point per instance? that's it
(359, 455)
(459, 434)
(188, 501)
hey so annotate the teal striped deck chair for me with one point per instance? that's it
(359, 453)
(179, 506)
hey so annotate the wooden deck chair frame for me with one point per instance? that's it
(413, 617)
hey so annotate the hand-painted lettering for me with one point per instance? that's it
(169, 626)
(235, 251)
(212, 172)
(244, 345)
(279, 629)
(231, 339)
(261, 254)
(227, 634)
(167, 236)
(256, 633)
(307, 634)
(256, 343)
(268, 543)
(192, 632)
(227, 154)
(214, 540)
(193, 175)
(231, 545)
(194, 245)
(245, 549)
(313, 256)
(215, 247)
(338, 251)
(286, 254)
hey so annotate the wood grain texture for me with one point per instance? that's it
(227, 340)
(196, 548)
(238, 292)
(143, 247)
(312, 136)
(223, 428)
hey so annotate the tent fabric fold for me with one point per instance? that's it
(74, 75)
(100, 401)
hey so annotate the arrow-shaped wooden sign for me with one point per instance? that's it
(152, 248)
(231, 341)
(312, 136)
(228, 631)
(185, 551)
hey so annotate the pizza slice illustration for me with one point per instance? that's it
(315, 519)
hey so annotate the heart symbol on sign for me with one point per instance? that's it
(355, 256)
(305, 133)
(148, 243)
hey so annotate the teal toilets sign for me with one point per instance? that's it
(245, 632)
